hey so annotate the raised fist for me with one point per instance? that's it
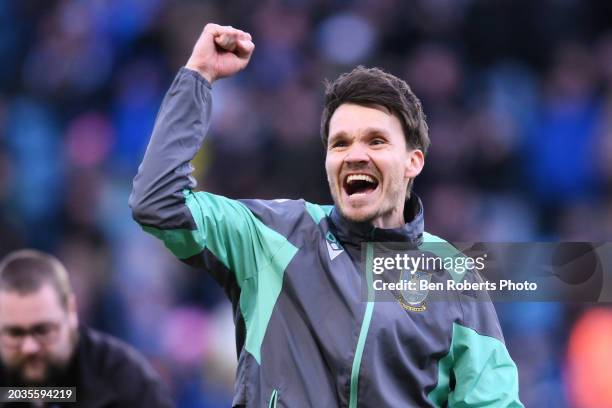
(220, 51)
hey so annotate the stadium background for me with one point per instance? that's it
(519, 101)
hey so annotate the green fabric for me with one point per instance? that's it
(485, 375)
(439, 395)
(256, 254)
(365, 326)
(442, 249)
(273, 399)
(183, 243)
(318, 212)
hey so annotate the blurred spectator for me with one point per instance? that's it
(43, 345)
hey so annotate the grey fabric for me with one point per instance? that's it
(165, 171)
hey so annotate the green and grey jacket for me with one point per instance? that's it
(293, 272)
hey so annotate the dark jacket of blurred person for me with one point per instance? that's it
(42, 344)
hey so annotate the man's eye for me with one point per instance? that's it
(14, 332)
(338, 144)
(42, 329)
(377, 141)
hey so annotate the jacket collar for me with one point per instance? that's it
(357, 232)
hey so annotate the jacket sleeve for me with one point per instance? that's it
(202, 229)
(477, 371)
(242, 244)
(164, 177)
(484, 373)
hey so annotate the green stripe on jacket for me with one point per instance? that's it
(256, 254)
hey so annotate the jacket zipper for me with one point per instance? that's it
(365, 326)
(273, 399)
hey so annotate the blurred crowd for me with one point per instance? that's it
(518, 96)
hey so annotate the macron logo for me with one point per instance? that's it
(333, 246)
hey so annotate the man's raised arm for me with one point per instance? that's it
(158, 195)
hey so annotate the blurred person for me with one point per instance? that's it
(43, 345)
(292, 269)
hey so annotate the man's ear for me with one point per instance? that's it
(415, 160)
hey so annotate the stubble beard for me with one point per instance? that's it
(55, 369)
(387, 207)
(52, 372)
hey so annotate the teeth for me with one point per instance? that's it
(364, 177)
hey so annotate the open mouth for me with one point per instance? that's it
(359, 184)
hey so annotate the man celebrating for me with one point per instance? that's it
(41, 344)
(292, 269)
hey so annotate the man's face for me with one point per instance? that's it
(37, 335)
(368, 164)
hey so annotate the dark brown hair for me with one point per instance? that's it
(26, 271)
(373, 86)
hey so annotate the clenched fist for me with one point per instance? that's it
(220, 51)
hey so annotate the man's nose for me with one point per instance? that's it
(357, 153)
(30, 345)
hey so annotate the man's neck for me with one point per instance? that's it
(393, 219)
